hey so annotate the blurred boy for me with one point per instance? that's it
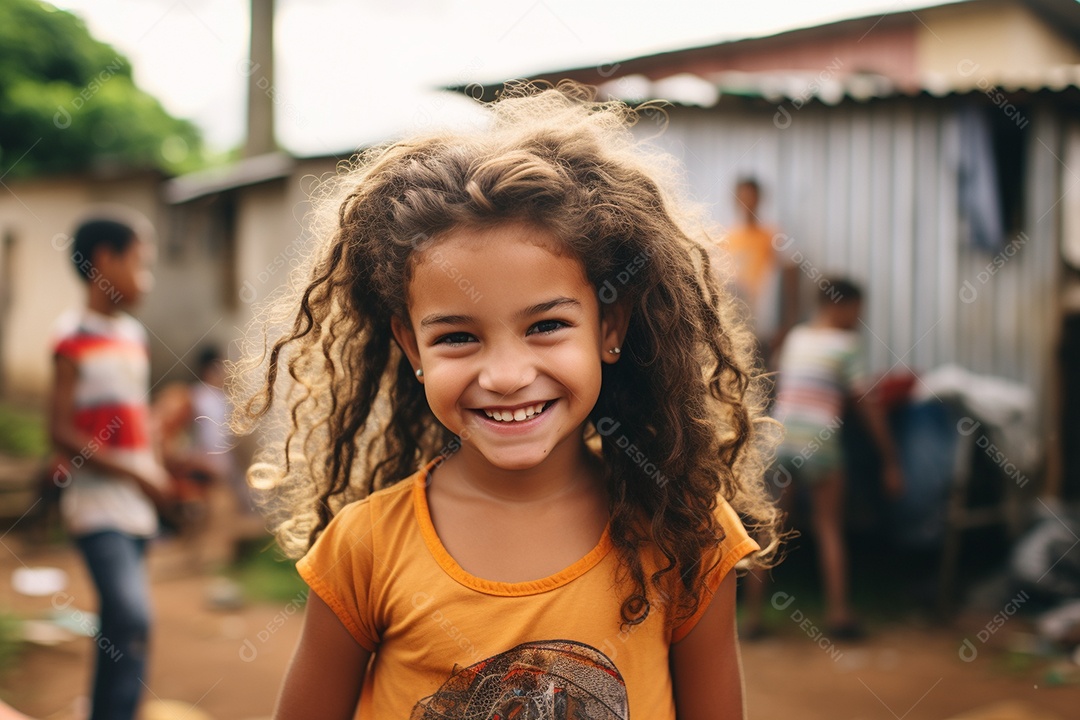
(99, 422)
(820, 368)
(762, 278)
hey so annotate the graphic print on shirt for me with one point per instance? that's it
(543, 680)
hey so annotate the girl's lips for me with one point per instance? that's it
(517, 413)
(515, 426)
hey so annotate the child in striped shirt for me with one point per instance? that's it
(821, 369)
(99, 423)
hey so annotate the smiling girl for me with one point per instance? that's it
(469, 358)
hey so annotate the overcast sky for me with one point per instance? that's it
(349, 72)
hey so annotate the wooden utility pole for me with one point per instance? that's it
(261, 90)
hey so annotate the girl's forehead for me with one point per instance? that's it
(496, 242)
(496, 261)
(489, 238)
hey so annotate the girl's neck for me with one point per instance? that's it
(572, 469)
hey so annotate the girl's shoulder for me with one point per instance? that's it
(385, 512)
(384, 500)
(737, 541)
(399, 491)
(393, 510)
(733, 545)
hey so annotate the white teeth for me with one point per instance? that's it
(518, 415)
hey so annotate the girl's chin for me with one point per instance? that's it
(518, 461)
(512, 459)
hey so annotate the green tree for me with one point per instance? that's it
(68, 102)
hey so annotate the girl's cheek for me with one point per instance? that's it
(581, 355)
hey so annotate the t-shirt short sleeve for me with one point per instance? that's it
(340, 569)
(64, 349)
(736, 545)
(67, 348)
(61, 335)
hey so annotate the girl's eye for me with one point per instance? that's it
(454, 339)
(546, 327)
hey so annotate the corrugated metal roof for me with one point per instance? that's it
(249, 171)
(702, 75)
(824, 86)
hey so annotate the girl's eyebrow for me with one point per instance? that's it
(536, 309)
(546, 306)
(445, 320)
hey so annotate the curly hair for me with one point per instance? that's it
(687, 390)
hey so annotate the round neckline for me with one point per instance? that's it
(496, 587)
(97, 317)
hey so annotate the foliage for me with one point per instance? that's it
(267, 576)
(22, 433)
(68, 102)
(10, 640)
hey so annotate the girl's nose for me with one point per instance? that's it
(507, 367)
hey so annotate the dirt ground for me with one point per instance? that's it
(228, 664)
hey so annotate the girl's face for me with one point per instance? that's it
(510, 337)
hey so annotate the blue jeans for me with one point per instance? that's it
(117, 566)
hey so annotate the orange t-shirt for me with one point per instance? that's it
(448, 644)
(753, 253)
(754, 267)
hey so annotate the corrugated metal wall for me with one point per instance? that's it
(870, 191)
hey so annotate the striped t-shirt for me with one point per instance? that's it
(111, 409)
(819, 367)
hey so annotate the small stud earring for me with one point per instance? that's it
(419, 372)
(615, 350)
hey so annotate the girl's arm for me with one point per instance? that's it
(705, 666)
(327, 670)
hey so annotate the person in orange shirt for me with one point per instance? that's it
(531, 434)
(760, 275)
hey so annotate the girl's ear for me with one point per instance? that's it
(614, 321)
(406, 339)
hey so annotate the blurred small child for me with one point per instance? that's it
(210, 433)
(192, 420)
(820, 368)
(197, 449)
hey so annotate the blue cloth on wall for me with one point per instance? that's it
(977, 186)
